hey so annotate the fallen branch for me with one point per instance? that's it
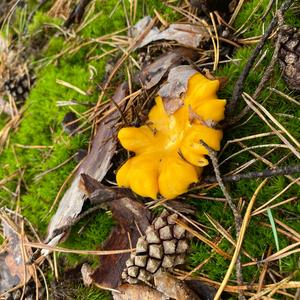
(267, 75)
(236, 213)
(238, 88)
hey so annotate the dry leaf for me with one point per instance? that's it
(96, 164)
(13, 267)
(174, 90)
(153, 73)
(137, 292)
(185, 34)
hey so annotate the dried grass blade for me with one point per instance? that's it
(283, 252)
(76, 251)
(273, 206)
(249, 100)
(276, 196)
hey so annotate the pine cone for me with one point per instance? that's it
(289, 57)
(164, 246)
(19, 87)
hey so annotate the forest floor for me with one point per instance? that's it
(69, 66)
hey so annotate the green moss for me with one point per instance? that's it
(89, 234)
(91, 293)
(41, 19)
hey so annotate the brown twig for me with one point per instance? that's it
(236, 213)
(285, 170)
(238, 88)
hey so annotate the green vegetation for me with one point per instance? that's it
(41, 126)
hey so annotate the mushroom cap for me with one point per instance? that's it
(168, 154)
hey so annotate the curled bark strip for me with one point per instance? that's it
(96, 164)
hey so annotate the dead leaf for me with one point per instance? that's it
(173, 287)
(174, 90)
(132, 220)
(188, 35)
(137, 292)
(153, 73)
(96, 164)
(140, 27)
(13, 267)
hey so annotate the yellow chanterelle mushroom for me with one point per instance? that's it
(168, 154)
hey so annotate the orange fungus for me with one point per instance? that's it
(168, 154)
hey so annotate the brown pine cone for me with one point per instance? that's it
(164, 246)
(19, 87)
(289, 56)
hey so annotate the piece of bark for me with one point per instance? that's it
(173, 92)
(137, 292)
(132, 220)
(96, 164)
(173, 287)
(153, 73)
(188, 35)
(13, 268)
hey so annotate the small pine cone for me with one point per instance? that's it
(289, 56)
(164, 245)
(19, 87)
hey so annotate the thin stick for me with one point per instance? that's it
(285, 170)
(236, 214)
